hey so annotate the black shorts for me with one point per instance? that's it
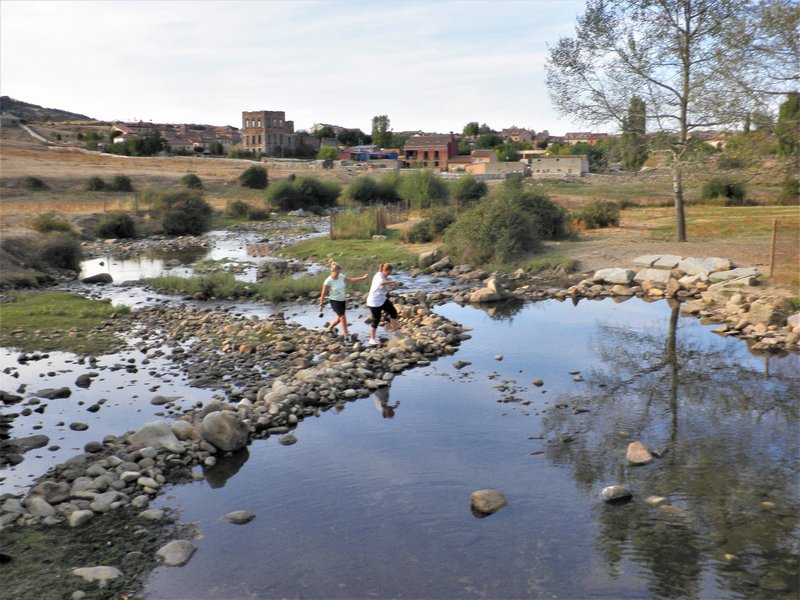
(376, 311)
(338, 307)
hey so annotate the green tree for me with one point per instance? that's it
(634, 140)
(324, 132)
(351, 137)
(422, 188)
(381, 135)
(467, 189)
(328, 153)
(488, 140)
(667, 52)
(255, 177)
(216, 148)
(471, 128)
(788, 126)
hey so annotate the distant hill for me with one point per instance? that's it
(35, 113)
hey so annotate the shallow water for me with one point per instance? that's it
(373, 501)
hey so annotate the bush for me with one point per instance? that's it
(95, 184)
(257, 214)
(730, 162)
(49, 222)
(121, 183)
(505, 226)
(467, 189)
(356, 224)
(303, 192)
(35, 184)
(254, 177)
(368, 191)
(733, 193)
(790, 192)
(192, 181)
(237, 209)
(116, 225)
(598, 215)
(183, 213)
(60, 251)
(431, 228)
(423, 189)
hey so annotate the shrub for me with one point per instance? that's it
(183, 213)
(318, 192)
(790, 192)
(505, 226)
(60, 251)
(49, 222)
(730, 162)
(467, 189)
(116, 225)
(356, 224)
(423, 189)
(35, 184)
(257, 214)
(367, 191)
(254, 177)
(121, 183)
(95, 184)
(431, 228)
(598, 215)
(192, 181)
(284, 196)
(733, 193)
(303, 192)
(237, 209)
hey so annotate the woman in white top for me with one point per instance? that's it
(378, 301)
(334, 286)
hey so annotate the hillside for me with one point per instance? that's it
(35, 113)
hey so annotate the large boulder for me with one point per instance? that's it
(426, 259)
(157, 434)
(660, 276)
(704, 266)
(492, 292)
(100, 278)
(769, 311)
(613, 275)
(733, 274)
(225, 430)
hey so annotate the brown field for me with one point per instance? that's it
(740, 233)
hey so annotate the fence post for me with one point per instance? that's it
(772, 246)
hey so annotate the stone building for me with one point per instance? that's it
(429, 151)
(267, 131)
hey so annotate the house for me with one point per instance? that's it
(467, 162)
(429, 151)
(516, 134)
(574, 165)
(267, 131)
(585, 137)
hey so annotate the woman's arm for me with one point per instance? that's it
(322, 294)
(355, 279)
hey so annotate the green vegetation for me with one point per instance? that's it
(731, 192)
(27, 259)
(34, 184)
(307, 192)
(423, 189)
(95, 184)
(222, 284)
(358, 224)
(118, 225)
(506, 226)
(431, 228)
(790, 192)
(50, 222)
(357, 255)
(121, 183)
(192, 181)
(467, 190)
(328, 153)
(366, 191)
(598, 215)
(149, 144)
(254, 177)
(57, 321)
(183, 213)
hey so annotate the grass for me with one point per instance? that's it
(355, 256)
(224, 285)
(50, 321)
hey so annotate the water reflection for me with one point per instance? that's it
(726, 490)
(225, 467)
(381, 400)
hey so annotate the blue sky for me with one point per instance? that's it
(427, 65)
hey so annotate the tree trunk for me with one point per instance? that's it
(677, 189)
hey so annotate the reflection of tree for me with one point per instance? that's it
(730, 437)
(502, 310)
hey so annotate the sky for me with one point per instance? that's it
(427, 65)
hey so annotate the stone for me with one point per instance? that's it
(637, 454)
(239, 517)
(487, 502)
(79, 517)
(100, 278)
(39, 507)
(101, 574)
(703, 266)
(426, 259)
(83, 381)
(442, 264)
(659, 276)
(225, 430)
(667, 261)
(52, 394)
(176, 553)
(729, 275)
(616, 494)
(157, 434)
(53, 492)
(769, 312)
(646, 260)
(613, 275)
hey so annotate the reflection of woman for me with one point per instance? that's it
(379, 303)
(334, 286)
(381, 399)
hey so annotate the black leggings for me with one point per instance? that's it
(376, 311)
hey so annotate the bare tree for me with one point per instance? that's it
(671, 54)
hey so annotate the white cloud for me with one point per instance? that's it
(427, 65)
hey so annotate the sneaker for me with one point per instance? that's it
(373, 342)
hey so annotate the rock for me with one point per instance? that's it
(616, 494)
(703, 266)
(239, 517)
(637, 454)
(39, 507)
(100, 278)
(487, 502)
(613, 275)
(769, 312)
(742, 272)
(79, 517)
(442, 264)
(426, 259)
(659, 276)
(666, 261)
(52, 394)
(647, 260)
(100, 574)
(83, 380)
(225, 430)
(287, 440)
(157, 434)
(176, 553)
(54, 492)
(152, 514)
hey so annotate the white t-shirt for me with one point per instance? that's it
(336, 287)
(377, 292)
